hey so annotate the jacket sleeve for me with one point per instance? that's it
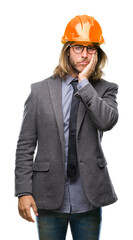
(102, 110)
(25, 147)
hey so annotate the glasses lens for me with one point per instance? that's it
(77, 48)
(91, 50)
(80, 48)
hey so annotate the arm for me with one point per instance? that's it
(103, 111)
(24, 158)
(25, 147)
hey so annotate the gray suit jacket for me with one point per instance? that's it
(42, 127)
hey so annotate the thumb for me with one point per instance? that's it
(34, 207)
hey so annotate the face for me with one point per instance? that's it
(79, 60)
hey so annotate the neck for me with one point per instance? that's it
(74, 74)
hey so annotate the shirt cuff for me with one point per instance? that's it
(82, 83)
(23, 194)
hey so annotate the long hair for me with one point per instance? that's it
(64, 67)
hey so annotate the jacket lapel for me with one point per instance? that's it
(55, 89)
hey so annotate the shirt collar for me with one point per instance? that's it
(68, 79)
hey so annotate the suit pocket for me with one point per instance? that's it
(41, 167)
(101, 162)
(40, 175)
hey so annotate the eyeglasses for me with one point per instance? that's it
(80, 48)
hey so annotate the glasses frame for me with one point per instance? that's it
(83, 46)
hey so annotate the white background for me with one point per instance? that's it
(30, 33)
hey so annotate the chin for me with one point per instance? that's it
(81, 68)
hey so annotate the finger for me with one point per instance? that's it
(23, 214)
(28, 215)
(95, 57)
(92, 64)
(94, 61)
(20, 213)
(34, 207)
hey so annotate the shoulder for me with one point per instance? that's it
(107, 84)
(36, 86)
(42, 85)
(103, 84)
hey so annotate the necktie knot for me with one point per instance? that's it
(74, 84)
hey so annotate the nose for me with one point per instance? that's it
(85, 53)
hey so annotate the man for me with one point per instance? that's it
(65, 117)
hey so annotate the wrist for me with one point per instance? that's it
(24, 194)
(82, 77)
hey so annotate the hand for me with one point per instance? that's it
(89, 69)
(24, 205)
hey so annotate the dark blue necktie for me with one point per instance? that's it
(72, 166)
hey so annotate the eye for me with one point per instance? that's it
(77, 47)
(90, 48)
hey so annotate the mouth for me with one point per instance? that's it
(84, 63)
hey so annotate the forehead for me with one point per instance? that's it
(83, 43)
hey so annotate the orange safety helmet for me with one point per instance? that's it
(83, 28)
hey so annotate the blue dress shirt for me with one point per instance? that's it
(75, 200)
